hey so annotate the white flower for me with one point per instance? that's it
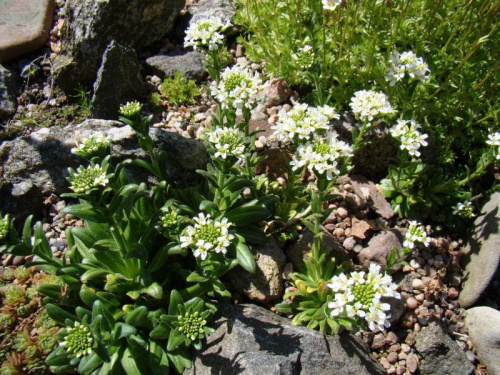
(237, 88)
(494, 139)
(406, 62)
(415, 234)
(465, 210)
(359, 296)
(331, 4)
(322, 156)
(368, 105)
(304, 57)
(407, 131)
(207, 235)
(303, 122)
(91, 145)
(205, 33)
(227, 142)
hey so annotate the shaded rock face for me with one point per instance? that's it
(483, 324)
(266, 284)
(252, 340)
(482, 252)
(190, 64)
(24, 26)
(91, 25)
(35, 166)
(8, 90)
(441, 355)
(118, 81)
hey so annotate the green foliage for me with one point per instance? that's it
(179, 90)
(331, 54)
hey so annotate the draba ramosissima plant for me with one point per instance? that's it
(226, 143)
(303, 122)
(409, 135)
(131, 109)
(358, 296)
(78, 340)
(406, 64)
(95, 145)
(415, 234)
(206, 34)
(370, 106)
(86, 180)
(207, 236)
(464, 210)
(237, 88)
(322, 156)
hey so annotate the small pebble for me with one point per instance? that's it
(391, 338)
(412, 363)
(391, 370)
(453, 293)
(349, 243)
(378, 341)
(400, 370)
(392, 357)
(411, 303)
(385, 363)
(342, 212)
(417, 284)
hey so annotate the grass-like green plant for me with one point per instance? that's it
(330, 50)
(179, 90)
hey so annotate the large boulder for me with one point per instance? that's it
(483, 324)
(189, 63)
(35, 166)
(8, 90)
(91, 25)
(252, 340)
(482, 252)
(118, 81)
(24, 26)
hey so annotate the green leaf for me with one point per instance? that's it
(252, 234)
(52, 291)
(175, 301)
(284, 308)
(161, 332)
(181, 359)
(244, 255)
(247, 213)
(158, 359)
(85, 211)
(195, 277)
(137, 316)
(129, 363)
(59, 357)
(88, 363)
(94, 274)
(174, 340)
(60, 315)
(154, 290)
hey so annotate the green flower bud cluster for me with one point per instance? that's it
(78, 340)
(88, 179)
(364, 293)
(170, 221)
(131, 109)
(4, 226)
(92, 146)
(304, 57)
(191, 326)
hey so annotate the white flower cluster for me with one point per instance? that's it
(205, 34)
(368, 104)
(406, 63)
(227, 142)
(359, 295)
(91, 145)
(207, 235)
(331, 4)
(415, 234)
(237, 88)
(494, 140)
(465, 210)
(322, 156)
(303, 122)
(304, 57)
(88, 179)
(407, 131)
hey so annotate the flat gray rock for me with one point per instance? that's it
(252, 340)
(380, 246)
(189, 63)
(118, 81)
(483, 324)
(441, 355)
(24, 26)
(482, 252)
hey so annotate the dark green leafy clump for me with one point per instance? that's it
(179, 90)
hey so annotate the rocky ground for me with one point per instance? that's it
(428, 333)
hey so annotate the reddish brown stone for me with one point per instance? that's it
(24, 26)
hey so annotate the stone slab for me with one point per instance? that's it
(24, 26)
(482, 252)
